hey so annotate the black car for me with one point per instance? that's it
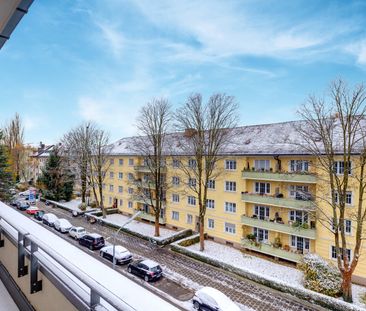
(39, 215)
(147, 269)
(92, 241)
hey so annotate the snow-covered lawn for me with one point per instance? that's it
(72, 205)
(139, 227)
(265, 268)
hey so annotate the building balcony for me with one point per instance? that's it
(304, 178)
(151, 217)
(145, 184)
(268, 249)
(146, 169)
(270, 200)
(148, 202)
(278, 227)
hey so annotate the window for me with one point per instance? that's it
(210, 223)
(111, 161)
(120, 161)
(230, 228)
(191, 200)
(301, 244)
(175, 215)
(120, 202)
(175, 198)
(299, 192)
(210, 203)
(189, 218)
(230, 165)
(347, 199)
(110, 200)
(230, 186)
(175, 180)
(340, 166)
(192, 182)
(261, 235)
(111, 175)
(347, 226)
(103, 186)
(262, 187)
(192, 163)
(299, 166)
(120, 189)
(334, 253)
(299, 216)
(130, 176)
(130, 162)
(262, 212)
(211, 184)
(130, 190)
(120, 175)
(230, 207)
(111, 188)
(261, 165)
(176, 163)
(130, 204)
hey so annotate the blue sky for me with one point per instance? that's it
(70, 61)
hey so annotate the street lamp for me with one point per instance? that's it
(116, 233)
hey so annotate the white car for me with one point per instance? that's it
(24, 193)
(49, 219)
(62, 225)
(208, 298)
(121, 254)
(77, 232)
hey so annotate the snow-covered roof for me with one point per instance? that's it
(150, 263)
(95, 235)
(222, 300)
(263, 139)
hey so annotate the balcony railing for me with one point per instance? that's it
(147, 169)
(278, 227)
(148, 202)
(280, 176)
(276, 201)
(145, 184)
(151, 217)
(272, 251)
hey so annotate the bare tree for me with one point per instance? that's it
(14, 140)
(100, 151)
(334, 133)
(77, 143)
(153, 123)
(208, 129)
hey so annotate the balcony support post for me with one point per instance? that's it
(35, 284)
(22, 268)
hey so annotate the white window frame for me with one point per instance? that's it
(120, 189)
(175, 198)
(261, 235)
(230, 186)
(230, 207)
(230, 165)
(175, 215)
(120, 162)
(210, 223)
(211, 184)
(299, 166)
(131, 162)
(210, 203)
(229, 228)
(191, 199)
(260, 165)
(189, 219)
(257, 187)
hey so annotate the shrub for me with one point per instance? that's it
(93, 204)
(82, 206)
(321, 276)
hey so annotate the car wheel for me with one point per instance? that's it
(196, 305)
(129, 270)
(102, 254)
(146, 278)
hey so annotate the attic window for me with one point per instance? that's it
(247, 142)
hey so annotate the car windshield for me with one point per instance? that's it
(155, 269)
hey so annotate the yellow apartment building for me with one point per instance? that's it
(264, 200)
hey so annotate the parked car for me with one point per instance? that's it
(32, 210)
(39, 215)
(22, 205)
(49, 219)
(24, 193)
(14, 202)
(77, 232)
(211, 299)
(147, 269)
(92, 240)
(62, 225)
(121, 254)
(12, 191)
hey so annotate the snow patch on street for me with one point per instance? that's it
(72, 205)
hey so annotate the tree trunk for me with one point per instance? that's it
(347, 286)
(157, 226)
(202, 234)
(83, 189)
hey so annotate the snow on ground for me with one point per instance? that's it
(265, 268)
(139, 227)
(72, 205)
(6, 302)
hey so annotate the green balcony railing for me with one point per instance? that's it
(280, 176)
(281, 202)
(146, 169)
(272, 251)
(150, 217)
(145, 184)
(283, 228)
(148, 202)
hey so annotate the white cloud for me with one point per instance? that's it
(358, 50)
(112, 38)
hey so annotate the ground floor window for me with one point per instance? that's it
(301, 244)
(189, 218)
(230, 228)
(210, 223)
(175, 215)
(334, 253)
(261, 235)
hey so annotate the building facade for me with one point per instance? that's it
(264, 200)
